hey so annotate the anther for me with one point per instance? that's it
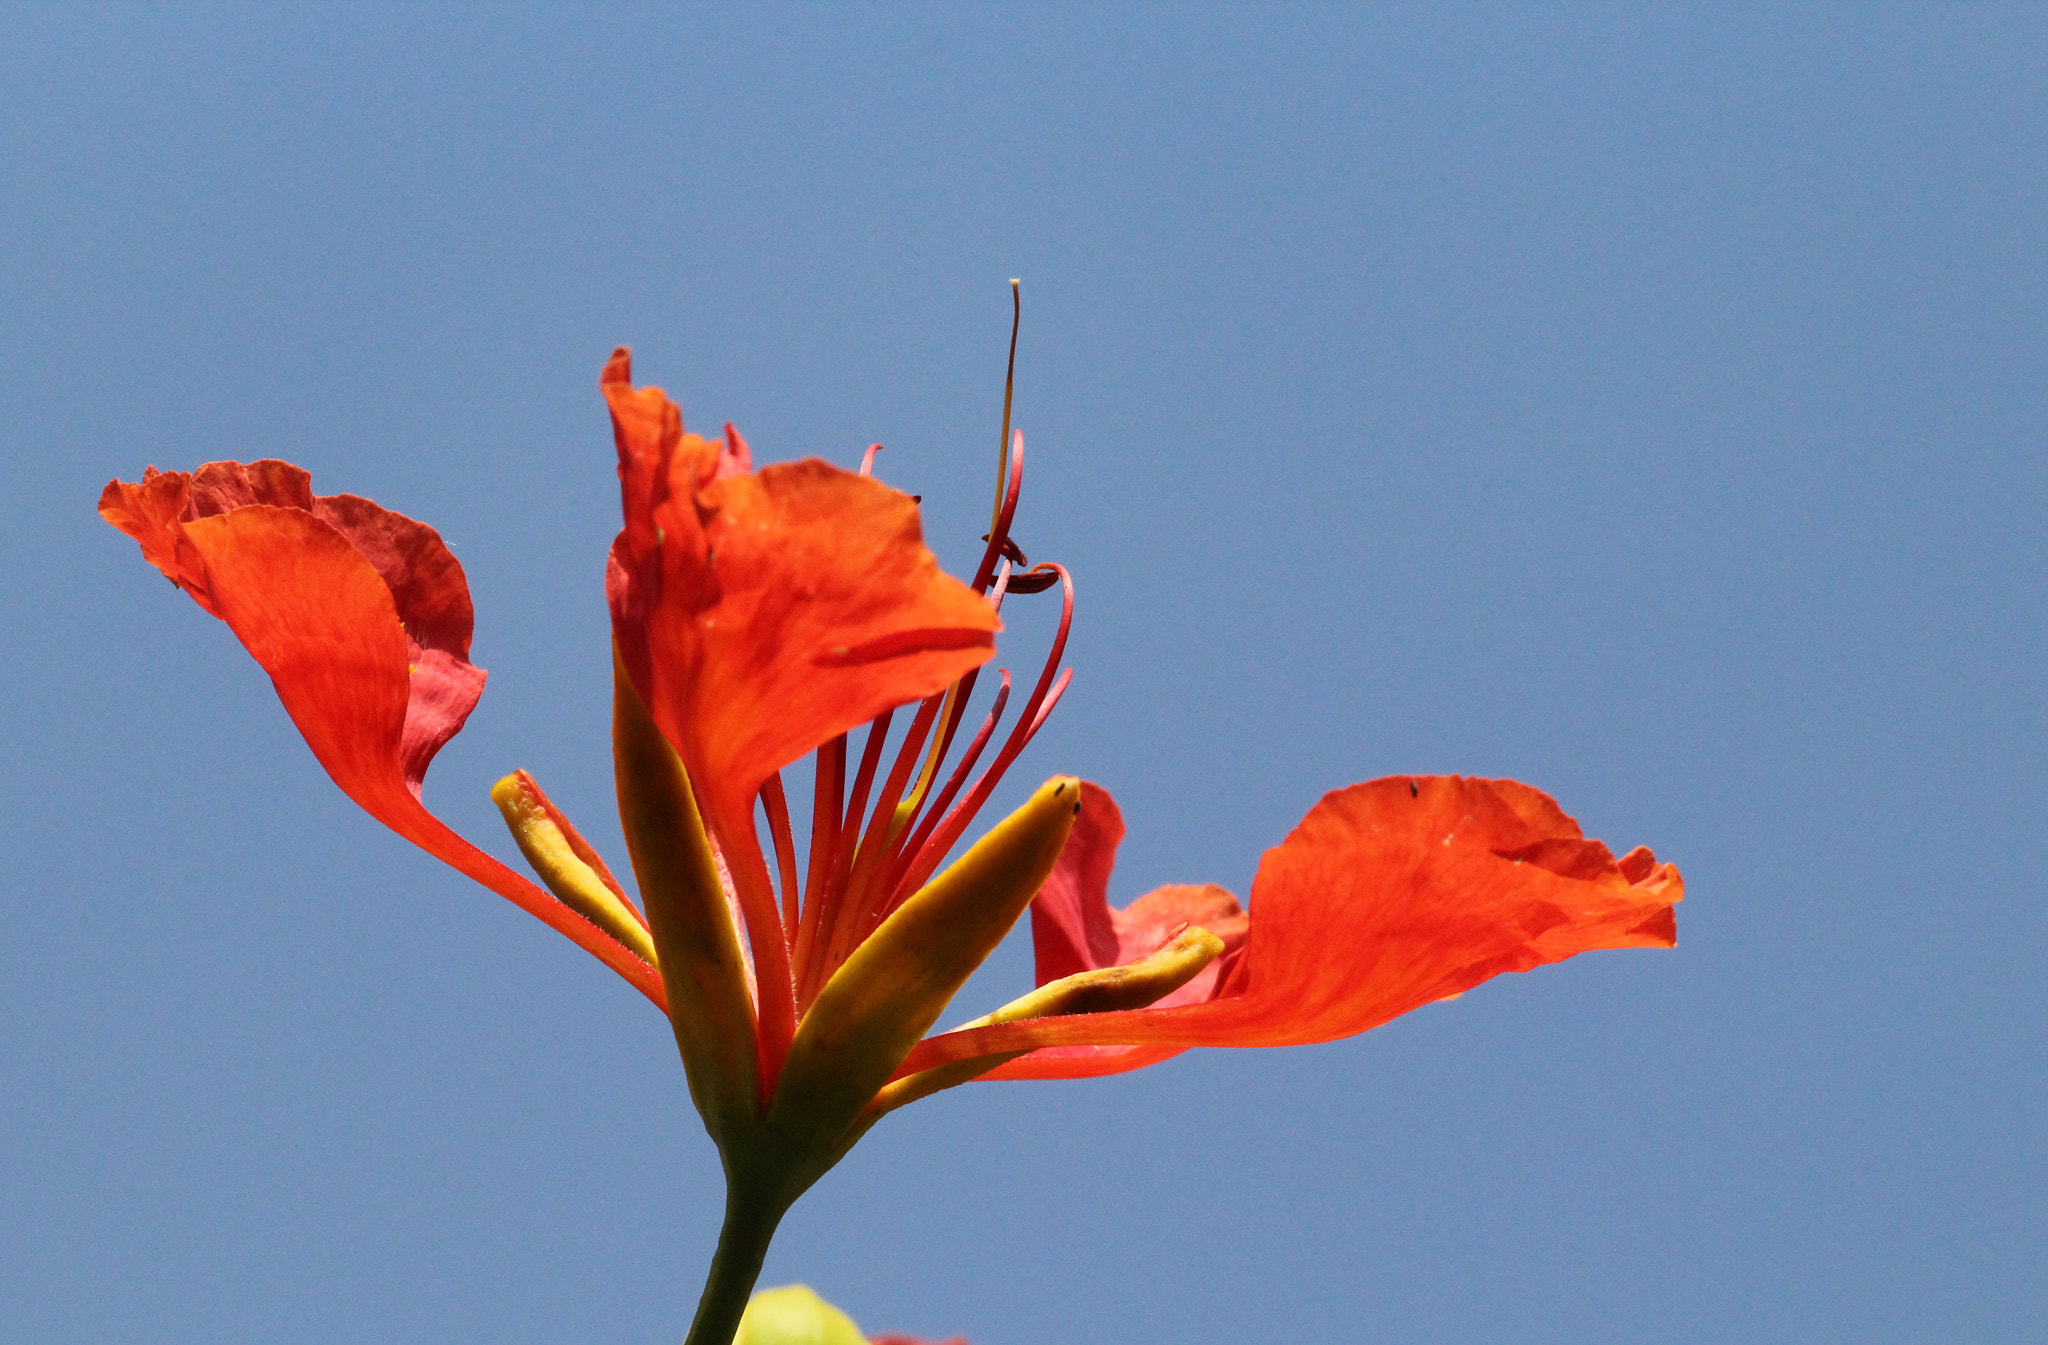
(567, 864)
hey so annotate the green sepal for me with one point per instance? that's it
(695, 940)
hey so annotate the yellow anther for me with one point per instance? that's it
(572, 880)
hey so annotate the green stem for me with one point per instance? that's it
(742, 1246)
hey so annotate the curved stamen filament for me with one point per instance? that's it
(1029, 720)
(863, 780)
(872, 858)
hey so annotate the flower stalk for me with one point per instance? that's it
(735, 1267)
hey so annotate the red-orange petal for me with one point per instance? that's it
(365, 640)
(320, 621)
(1389, 895)
(168, 512)
(763, 613)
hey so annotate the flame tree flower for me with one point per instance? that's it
(760, 617)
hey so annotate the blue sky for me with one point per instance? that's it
(1643, 402)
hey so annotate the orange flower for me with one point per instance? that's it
(762, 616)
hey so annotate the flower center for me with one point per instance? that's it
(872, 845)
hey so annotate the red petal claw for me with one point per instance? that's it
(1079, 1062)
(407, 816)
(1389, 895)
(776, 806)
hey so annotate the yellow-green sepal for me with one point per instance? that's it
(695, 939)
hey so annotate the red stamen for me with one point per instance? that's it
(948, 832)
(872, 857)
(833, 893)
(777, 807)
(863, 780)
(827, 816)
(999, 533)
(827, 801)
(914, 843)
(952, 727)
(867, 462)
(1052, 698)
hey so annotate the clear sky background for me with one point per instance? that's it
(1644, 402)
